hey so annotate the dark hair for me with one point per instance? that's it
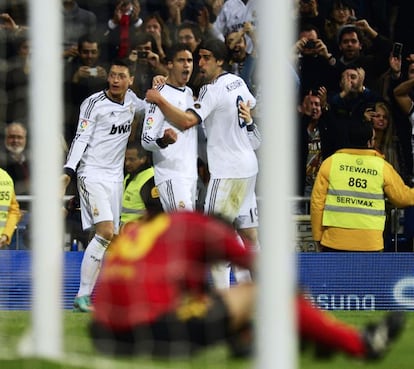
(124, 63)
(359, 133)
(194, 27)
(349, 28)
(174, 50)
(142, 153)
(217, 47)
(143, 37)
(89, 37)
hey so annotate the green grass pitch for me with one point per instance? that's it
(79, 352)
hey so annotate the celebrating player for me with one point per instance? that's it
(97, 157)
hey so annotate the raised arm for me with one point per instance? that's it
(181, 119)
(401, 94)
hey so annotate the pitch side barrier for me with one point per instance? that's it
(334, 281)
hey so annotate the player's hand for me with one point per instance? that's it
(244, 112)
(65, 180)
(170, 136)
(153, 96)
(159, 80)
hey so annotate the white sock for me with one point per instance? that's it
(240, 274)
(91, 264)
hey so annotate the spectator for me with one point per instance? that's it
(10, 211)
(121, 28)
(231, 158)
(341, 13)
(174, 151)
(346, 106)
(140, 195)
(315, 63)
(76, 23)
(232, 18)
(403, 95)
(395, 75)
(308, 13)
(96, 157)
(354, 50)
(158, 314)
(17, 163)
(145, 56)
(17, 80)
(310, 142)
(347, 202)
(154, 25)
(242, 63)
(84, 75)
(385, 139)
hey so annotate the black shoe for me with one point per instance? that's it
(379, 336)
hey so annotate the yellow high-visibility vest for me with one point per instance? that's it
(133, 206)
(6, 194)
(355, 197)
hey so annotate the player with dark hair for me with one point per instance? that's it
(96, 158)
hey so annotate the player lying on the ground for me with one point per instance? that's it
(153, 295)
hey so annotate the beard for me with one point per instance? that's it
(15, 150)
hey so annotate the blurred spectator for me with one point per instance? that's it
(308, 14)
(145, 55)
(76, 22)
(118, 37)
(154, 25)
(315, 63)
(84, 75)
(232, 18)
(241, 62)
(347, 202)
(140, 194)
(17, 81)
(17, 163)
(10, 211)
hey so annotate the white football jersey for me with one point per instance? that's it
(180, 158)
(229, 151)
(98, 149)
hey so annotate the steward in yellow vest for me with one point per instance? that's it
(9, 209)
(140, 193)
(348, 197)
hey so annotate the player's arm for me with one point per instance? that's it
(181, 119)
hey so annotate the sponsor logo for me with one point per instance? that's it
(124, 128)
(83, 124)
(149, 121)
(343, 302)
(181, 205)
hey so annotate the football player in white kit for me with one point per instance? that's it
(96, 158)
(174, 151)
(232, 161)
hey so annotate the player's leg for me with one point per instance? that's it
(247, 224)
(99, 206)
(224, 197)
(178, 194)
(332, 335)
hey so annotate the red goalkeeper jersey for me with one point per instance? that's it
(152, 266)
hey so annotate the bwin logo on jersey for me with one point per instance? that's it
(124, 128)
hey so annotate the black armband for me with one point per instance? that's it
(160, 143)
